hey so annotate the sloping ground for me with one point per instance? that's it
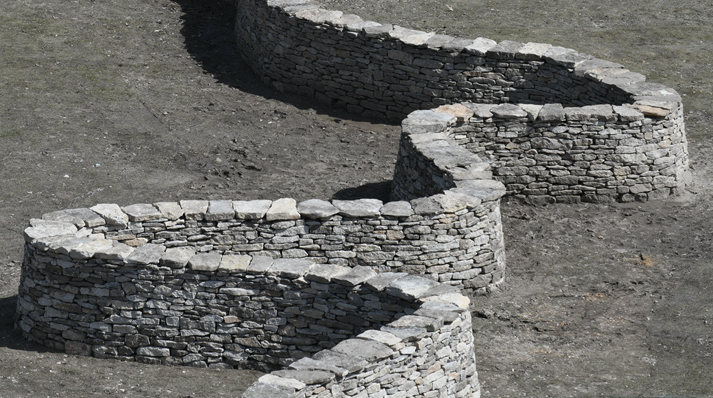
(145, 101)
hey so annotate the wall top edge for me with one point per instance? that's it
(602, 71)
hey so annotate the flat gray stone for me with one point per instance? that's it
(283, 209)
(382, 280)
(595, 64)
(80, 217)
(194, 209)
(359, 207)
(409, 287)
(312, 364)
(480, 46)
(324, 273)
(208, 262)
(454, 202)
(220, 210)
(146, 254)
(426, 121)
(234, 263)
(552, 113)
(480, 110)
(177, 257)
(380, 336)
(88, 250)
(532, 51)
(410, 36)
(378, 31)
(426, 206)
(316, 209)
(564, 57)
(67, 245)
(112, 214)
(457, 44)
(532, 110)
(506, 49)
(142, 212)
(282, 381)
(306, 376)
(406, 333)
(263, 390)
(368, 350)
(357, 275)
(48, 230)
(508, 111)
(486, 190)
(169, 210)
(260, 264)
(351, 363)
(399, 208)
(290, 267)
(118, 251)
(251, 210)
(628, 114)
(415, 321)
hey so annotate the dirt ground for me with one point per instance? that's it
(140, 101)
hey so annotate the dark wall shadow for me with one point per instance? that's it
(9, 336)
(209, 38)
(373, 190)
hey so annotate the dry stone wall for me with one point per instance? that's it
(567, 127)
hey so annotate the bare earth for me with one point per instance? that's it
(141, 101)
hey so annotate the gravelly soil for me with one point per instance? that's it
(143, 101)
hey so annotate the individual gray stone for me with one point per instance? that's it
(382, 337)
(79, 217)
(67, 245)
(382, 280)
(410, 36)
(406, 333)
(480, 46)
(409, 287)
(207, 262)
(358, 207)
(251, 210)
(312, 364)
(552, 113)
(146, 254)
(532, 51)
(282, 381)
(354, 277)
(506, 49)
(263, 390)
(234, 263)
(481, 110)
(440, 289)
(457, 44)
(153, 351)
(438, 41)
(628, 114)
(426, 206)
(508, 111)
(425, 121)
(319, 15)
(351, 363)
(486, 190)
(316, 209)
(89, 249)
(368, 350)
(415, 321)
(306, 376)
(377, 31)
(595, 64)
(532, 110)
(324, 273)
(194, 209)
(142, 212)
(169, 210)
(118, 251)
(282, 209)
(399, 208)
(260, 264)
(112, 214)
(454, 202)
(177, 257)
(564, 57)
(220, 210)
(49, 230)
(290, 267)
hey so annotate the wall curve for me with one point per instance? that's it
(583, 129)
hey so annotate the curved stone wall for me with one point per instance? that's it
(570, 127)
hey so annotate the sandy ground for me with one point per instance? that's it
(144, 101)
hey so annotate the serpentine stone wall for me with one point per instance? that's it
(569, 128)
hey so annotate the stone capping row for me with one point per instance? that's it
(71, 232)
(651, 99)
(438, 305)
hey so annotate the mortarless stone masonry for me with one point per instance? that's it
(356, 298)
